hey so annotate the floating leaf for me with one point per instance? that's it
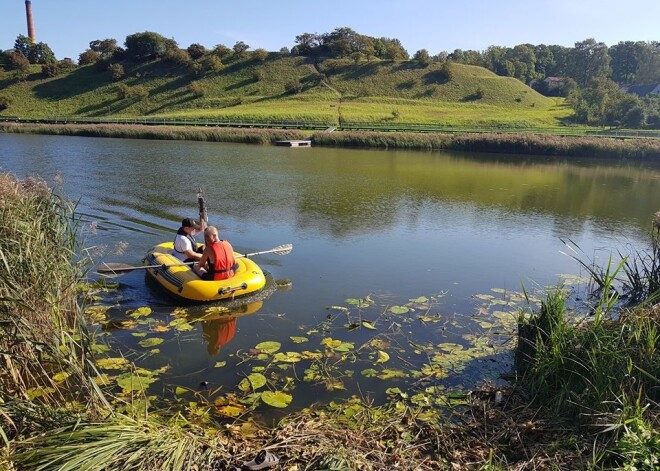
(337, 308)
(33, 393)
(232, 410)
(181, 324)
(352, 326)
(369, 373)
(398, 309)
(150, 342)
(382, 357)
(116, 363)
(420, 300)
(180, 390)
(140, 312)
(135, 381)
(268, 347)
(299, 339)
(391, 374)
(288, 357)
(254, 381)
(276, 399)
(99, 348)
(330, 343)
(160, 328)
(220, 364)
(368, 325)
(139, 334)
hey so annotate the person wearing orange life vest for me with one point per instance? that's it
(217, 262)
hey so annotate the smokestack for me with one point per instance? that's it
(30, 22)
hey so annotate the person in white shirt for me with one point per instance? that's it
(185, 245)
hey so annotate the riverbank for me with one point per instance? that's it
(520, 143)
(586, 396)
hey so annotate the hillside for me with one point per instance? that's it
(329, 92)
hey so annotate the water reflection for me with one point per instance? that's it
(219, 325)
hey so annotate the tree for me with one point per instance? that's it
(221, 51)
(240, 48)
(145, 46)
(284, 51)
(589, 61)
(41, 53)
(23, 45)
(104, 47)
(178, 57)
(306, 43)
(422, 57)
(648, 69)
(625, 58)
(196, 51)
(88, 57)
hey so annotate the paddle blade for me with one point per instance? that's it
(283, 249)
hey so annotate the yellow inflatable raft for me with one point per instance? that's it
(182, 281)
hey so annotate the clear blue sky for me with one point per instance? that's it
(68, 26)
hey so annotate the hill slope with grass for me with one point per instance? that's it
(288, 88)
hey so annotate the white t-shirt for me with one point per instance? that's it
(182, 244)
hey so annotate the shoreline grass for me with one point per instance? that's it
(517, 143)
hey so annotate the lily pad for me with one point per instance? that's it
(368, 325)
(220, 364)
(382, 357)
(268, 347)
(276, 399)
(140, 312)
(117, 363)
(295, 339)
(254, 381)
(399, 309)
(150, 342)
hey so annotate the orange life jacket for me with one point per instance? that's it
(224, 265)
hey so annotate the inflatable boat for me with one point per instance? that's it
(181, 281)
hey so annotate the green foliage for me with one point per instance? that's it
(5, 101)
(178, 57)
(141, 47)
(104, 47)
(221, 51)
(88, 57)
(18, 62)
(240, 48)
(259, 55)
(197, 89)
(422, 57)
(116, 72)
(195, 51)
(293, 87)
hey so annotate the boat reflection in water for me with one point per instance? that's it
(219, 324)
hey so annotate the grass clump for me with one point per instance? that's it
(601, 370)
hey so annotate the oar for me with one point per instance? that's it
(121, 268)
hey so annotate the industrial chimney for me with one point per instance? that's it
(30, 22)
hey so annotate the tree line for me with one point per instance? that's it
(587, 73)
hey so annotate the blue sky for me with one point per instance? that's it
(68, 26)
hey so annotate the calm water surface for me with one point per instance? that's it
(391, 225)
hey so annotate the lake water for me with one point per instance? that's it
(372, 230)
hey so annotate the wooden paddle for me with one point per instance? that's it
(116, 269)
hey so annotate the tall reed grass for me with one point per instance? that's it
(522, 143)
(599, 370)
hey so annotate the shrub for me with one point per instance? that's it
(197, 89)
(50, 70)
(178, 57)
(293, 87)
(211, 63)
(88, 57)
(196, 51)
(260, 55)
(5, 101)
(117, 72)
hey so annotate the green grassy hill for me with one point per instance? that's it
(330, 92)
